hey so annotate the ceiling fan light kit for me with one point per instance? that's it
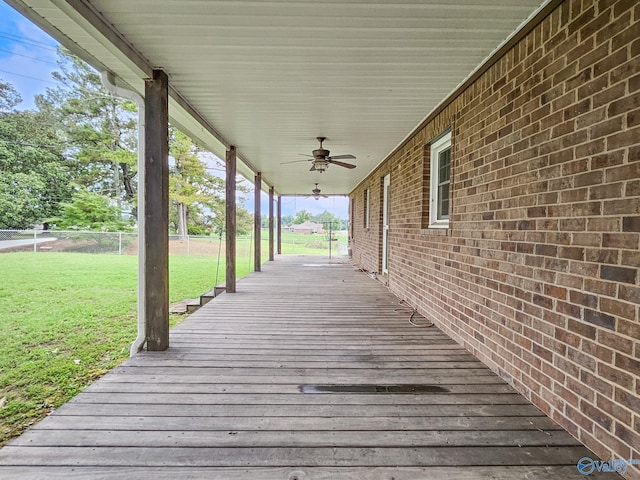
(319, 166)
(317, 193)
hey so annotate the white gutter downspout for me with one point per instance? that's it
(108, 80)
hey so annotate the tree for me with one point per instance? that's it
(192, 190)
(327, 217)
(89, 211)
(100, 130)
(9, 97)
(34, 176)
(287, 219)
(301, 217)
(244, 219)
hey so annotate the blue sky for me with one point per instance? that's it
(27, 58)
(27, 55)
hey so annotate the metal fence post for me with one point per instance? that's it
(119, 243)
(35, 241)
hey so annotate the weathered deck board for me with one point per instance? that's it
(224, 401)
(307, 456)
(250, 438)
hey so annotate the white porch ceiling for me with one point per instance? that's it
(270, 76)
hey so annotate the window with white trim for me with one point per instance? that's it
(366, 208)
(440, 182)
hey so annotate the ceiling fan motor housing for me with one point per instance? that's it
(320, 153)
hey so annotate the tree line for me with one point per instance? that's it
(324, 218)
(71, 162)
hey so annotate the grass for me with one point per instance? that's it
(68, 318)
(297, 244)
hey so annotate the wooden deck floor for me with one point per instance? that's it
(225, 401)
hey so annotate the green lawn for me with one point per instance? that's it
(67, 318)
(297, 244)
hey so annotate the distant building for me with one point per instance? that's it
(306, 228)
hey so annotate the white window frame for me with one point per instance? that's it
(386, 206)
(366, 208)
(437, 147)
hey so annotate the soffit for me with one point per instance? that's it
(270, 76)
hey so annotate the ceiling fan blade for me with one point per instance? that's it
(343, 157)
(305, 155)
(294, 161)
(342, 164)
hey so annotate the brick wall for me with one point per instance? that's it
(538, 273)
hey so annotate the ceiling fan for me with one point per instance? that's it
(316, 193)
(321, 159)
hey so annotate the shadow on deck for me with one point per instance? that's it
(227, 400)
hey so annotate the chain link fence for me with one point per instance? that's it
(121, 243)
(124, 243)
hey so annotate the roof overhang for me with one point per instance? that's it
(269, 77)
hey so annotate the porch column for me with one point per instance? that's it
(230, 220)
(257, 222)
(279, 224)
(156, 211)
(271, 191)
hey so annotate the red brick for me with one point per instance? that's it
(538, 274)
(631, 329)
(633, 188)
(615, 341)
(618, 309)
(572, 253)
(609, 159)
(631, 259)
(567, 338)
(606, 288)
(634, 82)
(602, 256)
(618, 274)
(626, 138)
(613, 444)
(623, 106)
(627, 435)
(598, 351)
(597, 415)
(613, 409)
(568, 309)
(628, 364)
(610, 190)
(622, 207)
(600, 319)
(631, 224)
(582, 328)
(556, 292)
(615, 376)
(585, 299)
(622, 37)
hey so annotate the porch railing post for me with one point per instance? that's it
(271, 192)
(279, 213)
(230, 220)
(156, 211)
(257, 223)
